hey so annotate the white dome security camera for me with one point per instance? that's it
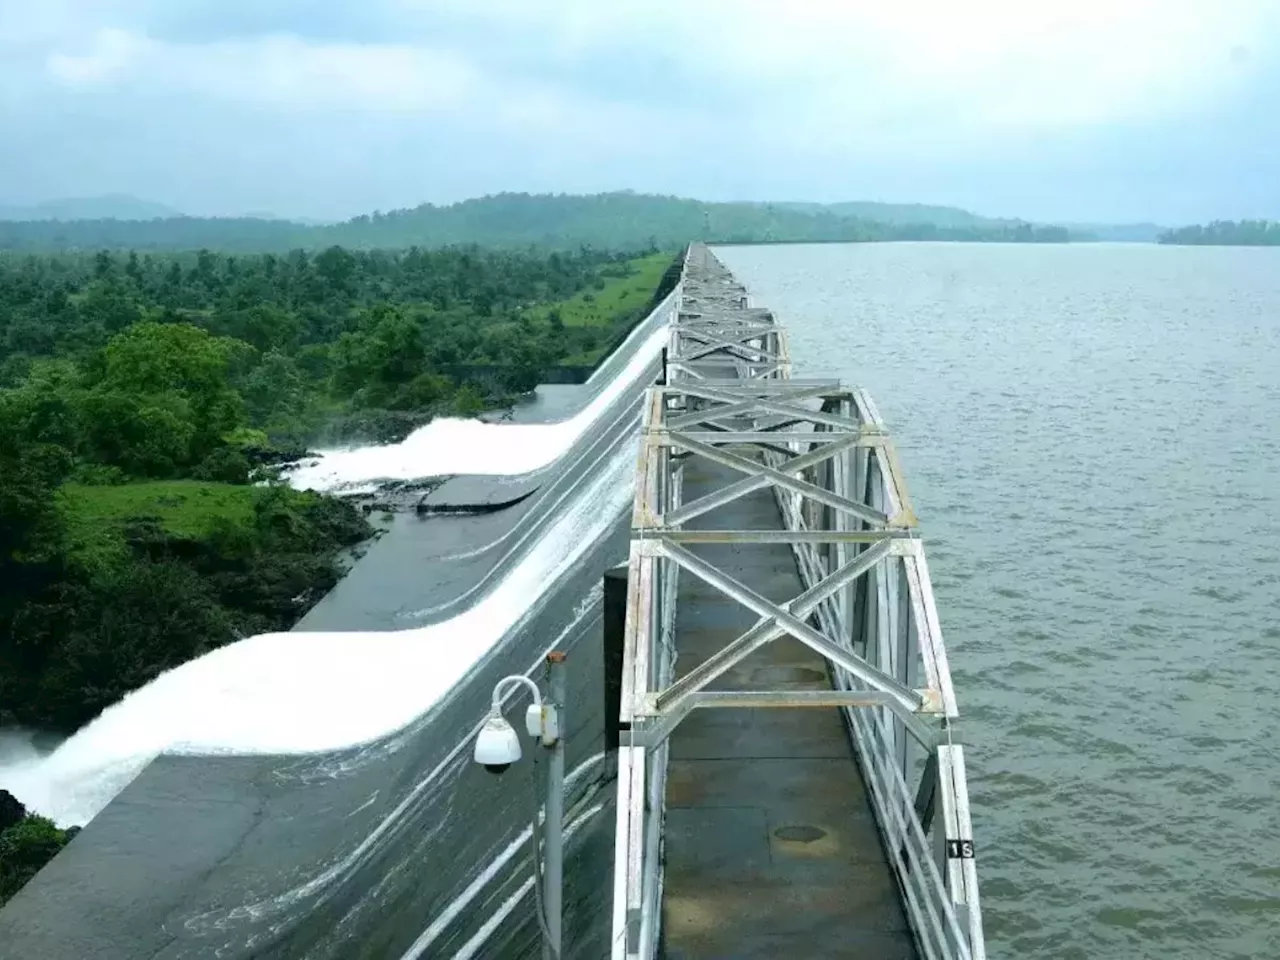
(498, 745)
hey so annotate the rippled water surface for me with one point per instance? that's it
(1092, 436)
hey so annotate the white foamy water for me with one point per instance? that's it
(307, 692)
(455, 446)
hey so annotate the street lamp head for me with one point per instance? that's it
(498, 745)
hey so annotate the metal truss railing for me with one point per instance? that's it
(867, 606)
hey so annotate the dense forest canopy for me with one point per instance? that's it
(137, 393)
(610, 221)
(1255, 233)
(303, 336)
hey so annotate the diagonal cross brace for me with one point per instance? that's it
(769, 370)
(768, 630)
(733, 406)
(701, 328)
(851, 662)
(712, 344)
(675, 365)
(731, 492)
(770, 406)
(764, 439)
(763, 476)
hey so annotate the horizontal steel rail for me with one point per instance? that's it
(867, 607)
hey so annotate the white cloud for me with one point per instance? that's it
(280, 71)
(980, 63)
(744, 98)
(111, 54)
(882, 69)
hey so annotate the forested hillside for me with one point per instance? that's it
(610, 221)
(137, 393)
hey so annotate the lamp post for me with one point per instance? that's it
(498, 747)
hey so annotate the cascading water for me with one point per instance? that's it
(453, 446)
(274, 693)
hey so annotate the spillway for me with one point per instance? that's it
(311, 793)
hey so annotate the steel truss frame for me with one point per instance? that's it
(867, 607)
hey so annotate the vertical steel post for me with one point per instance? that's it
(553, 869)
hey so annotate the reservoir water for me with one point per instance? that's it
(1092, 437)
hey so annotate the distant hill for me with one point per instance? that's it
(609, 221)
(109, 207)
(1116, 232)
(900, 214)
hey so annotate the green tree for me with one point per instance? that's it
(108, 307)
(275, 390)
(131, 624)
(264, 326)
(174, 378)
(386, 351)
(149, 435)
(30, 472)
(25, 848)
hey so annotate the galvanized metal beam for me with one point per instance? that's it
(761, 476)
(775, 536)
(766, 630)
(773, 699)
(759, 480)
(673, 437)
(728, 398)
(873, 677)
(733, 403)
(770, 405)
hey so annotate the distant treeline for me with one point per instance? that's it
(1242, 233)
(610, 221)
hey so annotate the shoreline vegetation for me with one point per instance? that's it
(1228, 233)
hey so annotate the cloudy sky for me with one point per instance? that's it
(1166, 110)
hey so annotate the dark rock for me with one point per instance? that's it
(275, 454)
(11, 810)
(71, 832)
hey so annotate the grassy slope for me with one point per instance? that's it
(600, 308)
(188, 509)
(604, 308)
